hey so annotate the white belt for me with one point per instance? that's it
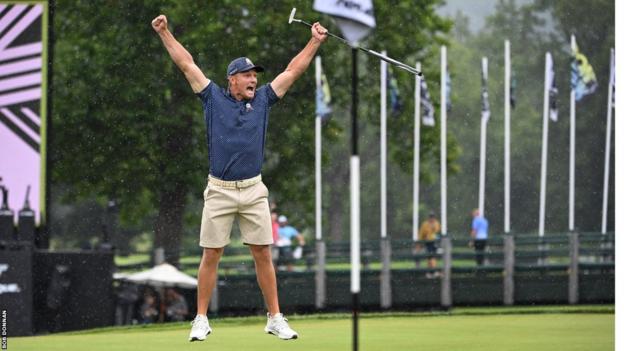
(234, 184)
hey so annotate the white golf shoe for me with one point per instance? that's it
(278, 326)
(200, 329)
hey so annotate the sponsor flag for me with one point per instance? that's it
(395, 98)
(612, 78)
(425, 100)
(485, 102)
(552, 88)
(355, 18)
(583, 79)
(448, 90)
(512, 88)
(323, 97)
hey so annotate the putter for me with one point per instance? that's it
(399, 64)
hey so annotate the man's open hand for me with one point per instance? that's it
(319, 32)
(159, 23)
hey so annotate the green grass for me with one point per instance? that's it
(468, 329)
(132, 259)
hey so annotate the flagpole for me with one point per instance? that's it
(507, 135)
(317, 157)
(443, 140)
(385, 284)
(572, 148)
(542, 208)
(605, 191)
(482, 160)
(383, 151)
(320, 245)
(416, 154)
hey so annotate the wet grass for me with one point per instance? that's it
(567, 328)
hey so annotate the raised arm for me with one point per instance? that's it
(299, 63)
(180, 56)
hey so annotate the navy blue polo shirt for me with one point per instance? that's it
(236, 131)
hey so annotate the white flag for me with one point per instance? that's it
(485, 102)
(425, 100)
(612, 78)
(552, 87)
(354, 17)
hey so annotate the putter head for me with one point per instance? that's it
(292, 15)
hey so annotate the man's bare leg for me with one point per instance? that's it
(265, 272)
(207, 277)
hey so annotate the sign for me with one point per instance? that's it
(23, 72)
(16, 289)
(354, 17)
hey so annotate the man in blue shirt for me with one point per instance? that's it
(286, 234)
(236, 124)
(479, 234)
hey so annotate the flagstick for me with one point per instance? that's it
(317, 157)
(445, 283)
(572, 148)
(383, 117)
(507, 135)
(484, 122)
(355, 202)
(542, 208)
(605, 191)
(416, 154)
(443, 139)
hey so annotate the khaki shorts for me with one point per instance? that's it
(224, 201)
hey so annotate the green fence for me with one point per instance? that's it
(554, 269)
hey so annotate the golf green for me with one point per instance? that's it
(496, 332)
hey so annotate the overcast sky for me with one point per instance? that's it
(476, 10)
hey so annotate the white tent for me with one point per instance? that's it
(163, 275)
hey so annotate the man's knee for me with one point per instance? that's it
(260, 253)
(212, 255)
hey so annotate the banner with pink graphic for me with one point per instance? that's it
(23, 52)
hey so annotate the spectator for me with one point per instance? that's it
(286, 234)
(177, 309)
(428, 232)
(275, 227)
(127, 295)
(479, 235)
(149, 309)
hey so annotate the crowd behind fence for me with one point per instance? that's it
(517, 269)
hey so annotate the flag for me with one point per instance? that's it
(583, 79)
(425, 100)
(393, 86)
(355, 18)
(552, 87)
(485, 103)
(323, 97)
(448, 90)
(612, 78)
(512, 90)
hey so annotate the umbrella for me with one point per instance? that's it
(163, 275)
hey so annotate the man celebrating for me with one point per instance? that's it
(236, 124)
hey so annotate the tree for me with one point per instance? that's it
(126, 126)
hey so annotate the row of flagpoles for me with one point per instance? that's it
(583, 83)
